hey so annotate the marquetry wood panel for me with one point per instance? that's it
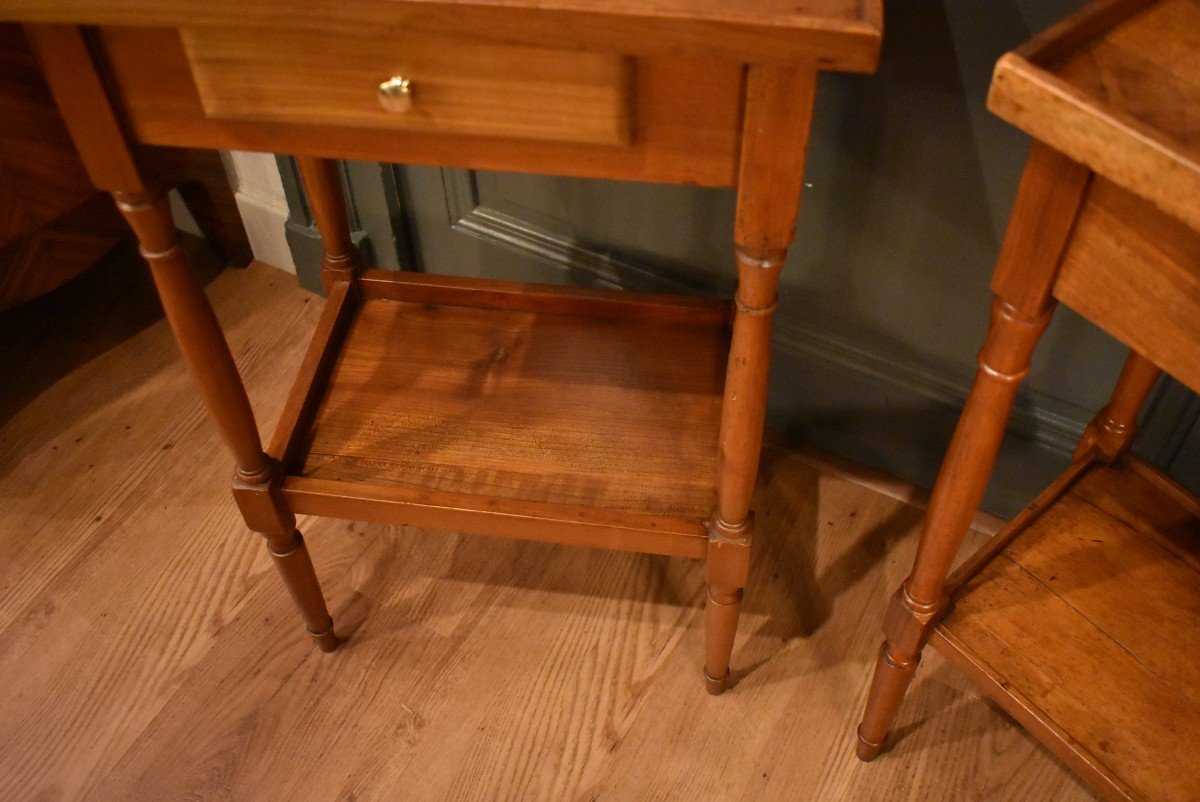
(145, 656)
(53, 224)
(36, 153)
(58, 250)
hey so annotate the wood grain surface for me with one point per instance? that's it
(457, 86)
(149, 650)
(114, 442)
(687, 109)
(53, 223)
(524, 405)
(836, 34)
(1088, 619)
(1122, 98)
(1135, 271)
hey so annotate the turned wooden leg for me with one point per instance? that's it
(323, 187)
(99, 138)
(728, 570)
(266, 512)
(774, 140)
(742, 414)
(721, 609)
(1112, 431)
(291, 559)
(200, 177)
(1003, 363)
(207, 357)
(1048, 201)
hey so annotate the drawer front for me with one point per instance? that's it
(1134, 271)
(418, 82)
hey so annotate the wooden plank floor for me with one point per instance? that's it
(148, 652)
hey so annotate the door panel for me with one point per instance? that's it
(635, 236)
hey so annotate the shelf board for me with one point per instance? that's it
(493, 406)
(1082, 623)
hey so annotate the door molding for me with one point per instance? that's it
(1033, 417)
(469, 215)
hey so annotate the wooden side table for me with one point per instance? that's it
(575, 416)
(1079, 618)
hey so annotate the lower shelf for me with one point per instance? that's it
(1081, 620)
(579, 416)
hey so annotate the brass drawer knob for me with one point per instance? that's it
(395, 94)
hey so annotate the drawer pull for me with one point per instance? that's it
(395, 94)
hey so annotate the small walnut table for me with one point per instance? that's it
(1082, 617)
(573, 416)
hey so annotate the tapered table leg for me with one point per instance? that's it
(1048, 201)
(920, 601)
(80, 92)
(207, 357)
(323, 187)
(1112, 431)
(774, 141)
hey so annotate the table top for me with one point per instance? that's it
(836, 34)
(1116, 87)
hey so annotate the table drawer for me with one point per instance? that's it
(1134, 270)
(454, 86)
